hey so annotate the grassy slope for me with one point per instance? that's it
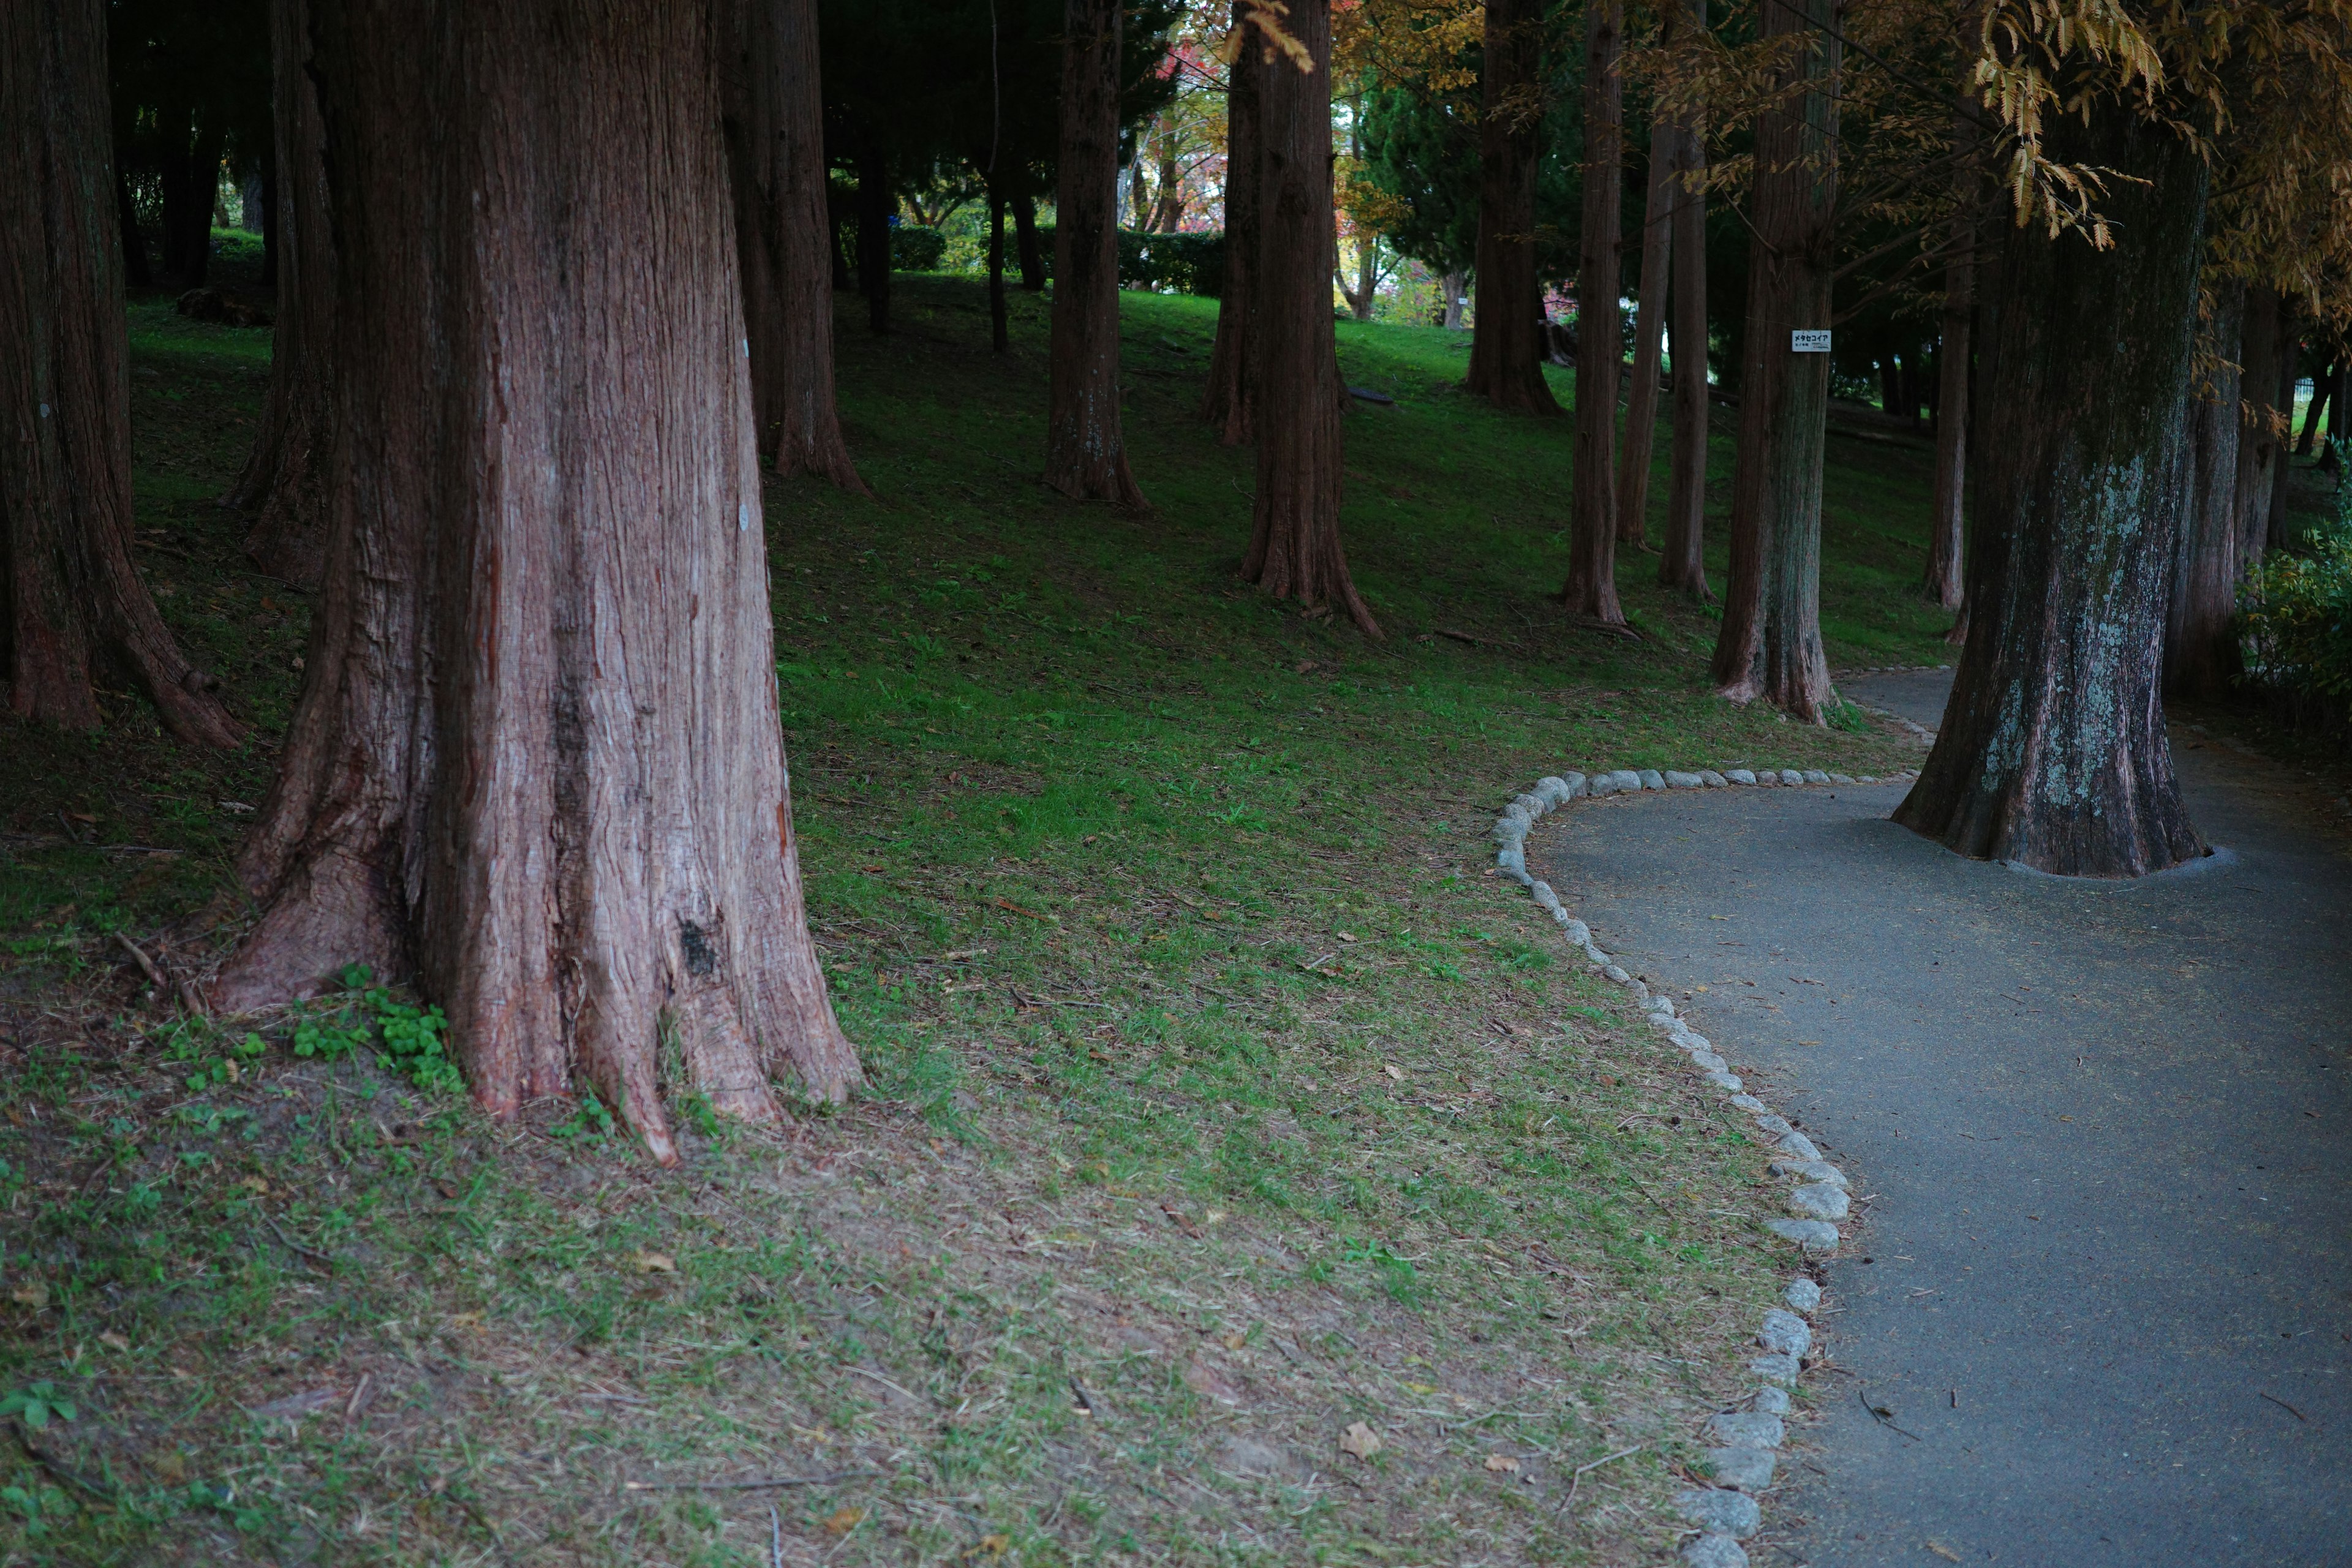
(1220, 1099)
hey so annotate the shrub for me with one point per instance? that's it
(1186, 263)
(2295, 615)
(914, 249)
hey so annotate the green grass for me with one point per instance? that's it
(1219, 1098)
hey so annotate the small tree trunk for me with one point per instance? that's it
(135, 270)
(1295, 550)
(1942, 582)
(1507, 338)
(2323, 380)
(1368, 277)
(2272, 525)
(1683, 564)
(1000, 336)
(1770, 644)
(537, 757)
(1592, 588)
(2259, 447)
(1649, 330)
(2053, 752)
(1025, 243)
(70, 596)
(1085, 454)
(1452, 283)
(874, 231)
(775, 143)
(285, 478)
(1230, 400)
(2198, 646)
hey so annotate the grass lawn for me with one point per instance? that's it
(1220, 1099)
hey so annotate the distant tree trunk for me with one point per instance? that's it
(1361, 297)
(1230, 400)
(1770, 644)
(1592, 587)
(270, 226)
(2339, 382)
(874, 231)
(2262, 446)
(70, 596)
(1683, 564)
(1024, 231)
(1452, 283)
(775, 142)
(188, 200)
(2271, 526)
(2322, 379)
(1295, 550)
(285, 478)
(537, 758)
(2053, 752)
(1085, 454)
(1168, 206)
(2198, 645)
(1000, 333)
(1649, 330)
(1942, 582)
(135, 270)
(1507, 338)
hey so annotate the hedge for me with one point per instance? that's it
(2295, 614)
(1188, 263)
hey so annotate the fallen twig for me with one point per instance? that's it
(324, 1260)
(1576, 1476)
(147, 965)
(2283, 1405)
(1886, 1421)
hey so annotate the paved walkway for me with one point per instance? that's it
(2103, 1279)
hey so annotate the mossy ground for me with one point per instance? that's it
(1220, 1099)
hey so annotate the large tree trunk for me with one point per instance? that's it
(1649, 332)
(1683, 564)
(2261, 448)
(536, 759)
(1085, 454)
(1026, 245)
(1592, 588)
(1942, 582)
(874, 230)
(1452, 283)
(775, 142)
(2053, 752)
(1230, 400)
(285, 478)
(1770, 644)
(1507, 338)
(1294, 548)
(70, 596)
(2198, 644)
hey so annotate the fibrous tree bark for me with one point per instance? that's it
(285, 478)
(775, 145)
(2199, 647)
(1770, 641)
(1507, 338)
(70, 598)
(1683, 564)
(1295, 550)
(1943, 581)
(2053, 752)
(537, 761)
(1649, 334)
(1086, 451)
(1592, 587)
(1230, 400)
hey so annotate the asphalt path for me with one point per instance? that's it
(2101, 1282)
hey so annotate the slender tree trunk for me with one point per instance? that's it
(2322, 381)
(1770, 644)
(874, 231)
(269, 223)
(135, 270)
(1649, 330)
(775, 142)
(1086, 453)
(2198, 645)
(2053, 752)
(1592, 588)
(1452, 283)
(1683, 564)
(1230, 400)
(2271, 526)
(1507, 338)
(1000, 334)
(1025, 243)
(285, 478)
(1361, 298)
(70, 596)
(190, 169)
(1943, 581)
(537, 758)
(1295, 550)
(2261, 444)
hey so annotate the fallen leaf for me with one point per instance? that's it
(33, 1294)
(1060, 1163)
(1391, 1068)
(1237, 1339)
(1345, 936)
(2066, 1119)
(654, 1263)
(172, 1467)
(1502, 1464)
(1944, 1551)
(113, 1341)
(1361, 1440)
(1421, 1388)
(845, 1520)
(256, 1185)
(996, 1545)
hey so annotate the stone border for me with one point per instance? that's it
(1744, 1438)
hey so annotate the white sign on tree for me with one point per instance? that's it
(1808, 343)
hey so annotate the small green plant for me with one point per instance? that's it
(1847, 716)
(37, 1402)
(590, 1120)
(409, 1040)
(36, 1505)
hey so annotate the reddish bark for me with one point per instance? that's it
(775, 143)
(1943, 581)
(1506, 337)
(1085, 454)
(1592, 588)
(1770, 642)
(1229, 403)
(1295, 550)
(2201, 646)
(1649, 333)
(1683, 564)
(2053, 752)
(285, 478)
(537, 758)
(70, 596)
